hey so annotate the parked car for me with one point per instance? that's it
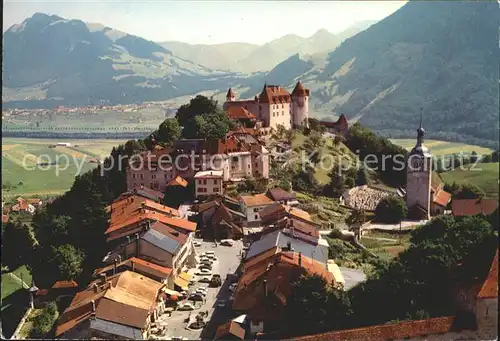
(204, 272)
(227, 242)
(201, 293)
(197, 244)
(195, 297)
(232, 287)
(206, 261)
(205, 279)
(185, 306)
(209, 253)
(205, 266)
(221, 303)
(216, 281)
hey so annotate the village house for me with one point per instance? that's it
(281, 196)
(238, 156)
(122, 306)
(263, 288)
(208, 183)
(464, 207)
(156, 272)
(274, 107)
(221, 218)
(309, 245)
(144, 192)
(26, 205)
(251, 205)
(230, 331)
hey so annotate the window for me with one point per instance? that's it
(487, 312)
(215, 181)
(216, 189)
(133, 176)
(256, 217)
(166, 176)
(282, 105)
(283, 113)
(141, 176)
(248, 166)
(256, 210)
(204, 181)
(200, 182)
(153, 176)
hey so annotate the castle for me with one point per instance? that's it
(274, 106)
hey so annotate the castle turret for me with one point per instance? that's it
(230, 97)
(300, 106)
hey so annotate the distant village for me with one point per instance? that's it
(226, 263)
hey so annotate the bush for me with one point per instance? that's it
(391, 210)
(335, 233)
(42, 324)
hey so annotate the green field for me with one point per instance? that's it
(386, 245)
(22, 173)
(438, 148)
(15, 299)
(484, 175)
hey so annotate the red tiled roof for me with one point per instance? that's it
(121, 313)
(178, 181)
(462, 207)
(300, 91)
(274, 94)
(64, 284)
(442, 198)
(397, 331)
(490, 285)
(170, 232)
(256, 200)
(230, 328)
(125, 205)
(239, 113)
(162, 269)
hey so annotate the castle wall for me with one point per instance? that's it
(280, 115)
(300, 111)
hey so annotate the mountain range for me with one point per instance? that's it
(249, 58)
(438, 57)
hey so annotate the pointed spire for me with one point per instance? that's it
(299, 90)
(230, 94)
(420, 130)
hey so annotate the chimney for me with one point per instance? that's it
(300, 258)
(265, 287)
(114, 267)
(289, 246)
(93, 305)
(96, 288)
(104, 277)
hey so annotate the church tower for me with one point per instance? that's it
(418, 178)
(300, 106)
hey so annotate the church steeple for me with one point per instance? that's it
(420, 132)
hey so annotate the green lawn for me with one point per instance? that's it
(15, 300)
(50, 180)
(385, 248)
(485, 176)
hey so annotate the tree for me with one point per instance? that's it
(43, 322)
(361, 177)
(391, 209)
(336, 186)
(200, 105)
(468, 191)
(17, 245)
(168, 132)
(68, 261)
(313, 306)
(208, 126)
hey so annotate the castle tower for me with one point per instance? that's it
(418, 181)
(300, 106)
(230, 97)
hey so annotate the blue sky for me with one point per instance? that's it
(208, 22)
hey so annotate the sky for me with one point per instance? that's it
(208, 22)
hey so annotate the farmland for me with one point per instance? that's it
(31, 168)
(438, 148)
(483, 175)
